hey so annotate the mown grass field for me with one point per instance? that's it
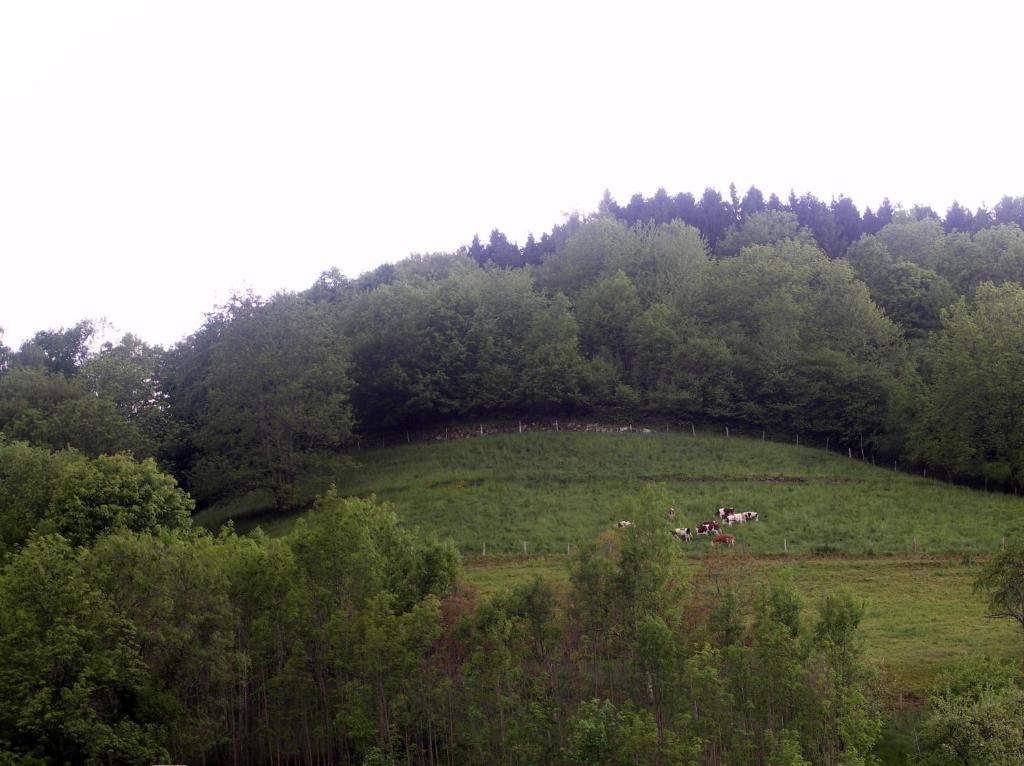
(551, 490)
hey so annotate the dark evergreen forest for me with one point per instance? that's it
(129, 636)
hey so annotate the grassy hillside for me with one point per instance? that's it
(553, 489)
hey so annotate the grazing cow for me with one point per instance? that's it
(623, 524)
(707, 527)
(735, 518)
(750, 515)
(683, 534)
(724, 540)
(723, 512)
(672, 512)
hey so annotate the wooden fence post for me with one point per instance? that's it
(849, 452)
(520, 426)
(727, 432)
(785, 545)
(524, 547)
(826, 444)
(693, 429)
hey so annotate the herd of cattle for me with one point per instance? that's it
(728, 516)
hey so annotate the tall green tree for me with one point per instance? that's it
(552, 364)
(92, 497)
(28, 477)
(5, 354)
(808, 346)
(73, 687)
(971, 422)
(974, 715)
(276, 395)
(59, 351)
(763, 228)
(604, 311)
(913, 296)
(1002, 579)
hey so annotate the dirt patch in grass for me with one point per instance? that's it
(455, 484)
(686, 478)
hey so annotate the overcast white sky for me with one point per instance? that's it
(156, 156)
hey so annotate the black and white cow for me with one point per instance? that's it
(623, 524)
(723, 512)
(683, 533)
(750, 515)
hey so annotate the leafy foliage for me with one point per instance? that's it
(1003, 580)
(92, 497)
(72, 682)
(82, 499)
(276, 393)
(975, 714)
(971, 421)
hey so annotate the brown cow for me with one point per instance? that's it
(724, 540)
(672, 512)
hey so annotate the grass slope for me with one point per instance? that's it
(554, 489)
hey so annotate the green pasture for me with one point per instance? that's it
(551, 490)
(921, 612)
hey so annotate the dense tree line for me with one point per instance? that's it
(127, 636)
(891, 330)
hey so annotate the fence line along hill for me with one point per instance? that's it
(543, 491)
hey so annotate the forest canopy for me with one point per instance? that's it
(795, 315)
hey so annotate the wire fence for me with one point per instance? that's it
(860, 449)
